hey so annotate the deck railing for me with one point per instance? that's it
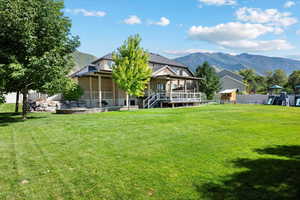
(172, 97)
(181, 96)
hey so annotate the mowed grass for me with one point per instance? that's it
(210, 152)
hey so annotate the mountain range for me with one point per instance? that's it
(81, 59)
(261, 64)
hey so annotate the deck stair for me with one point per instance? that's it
(152, 100)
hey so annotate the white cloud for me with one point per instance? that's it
(133, 19)
(269, 16)
(186, 52)
(229, 32)
(86, 13)
(239, 36)
(289, 4)
(257, 45)
(218, 2)
(298, 32)
(162, 22)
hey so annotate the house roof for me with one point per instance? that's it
(231, 74)
(154, 58)
(85, 70)
(228, 91)
(276, 87)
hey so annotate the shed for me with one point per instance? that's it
(229, 96)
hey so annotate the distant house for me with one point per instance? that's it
(171, 84)
(231, 80)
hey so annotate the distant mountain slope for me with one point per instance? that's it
(81, 59)
(261, 64)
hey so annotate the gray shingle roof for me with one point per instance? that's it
(154, 58)
(231, 74)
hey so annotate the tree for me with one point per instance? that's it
(131, 70)
(250, 79)
(35, 46)
(255, 83)
(278, 77)
(294, 80)
(72, 92)
(210, 81)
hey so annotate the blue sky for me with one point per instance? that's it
(176, 28)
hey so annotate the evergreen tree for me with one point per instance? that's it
(210, 81)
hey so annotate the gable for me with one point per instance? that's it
(164, 71)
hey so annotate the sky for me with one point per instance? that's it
(178, 27)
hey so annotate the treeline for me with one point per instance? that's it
(260, 84)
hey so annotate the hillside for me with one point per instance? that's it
(261, 64)
(81, 59)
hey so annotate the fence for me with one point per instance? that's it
(259, 99)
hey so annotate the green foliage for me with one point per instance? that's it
(210, 81)
(277, 77)
(131, 71)
(255, 83)
(294, 80)
(35, 45)
(73, 91)
(2, 98)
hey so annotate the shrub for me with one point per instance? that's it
(72, 92)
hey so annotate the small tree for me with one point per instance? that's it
(73, 91)
(131, 70)
(210, 81)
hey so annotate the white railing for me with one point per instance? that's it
(172, 97)
(182, 96)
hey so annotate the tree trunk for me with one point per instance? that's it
(127, 100)
(17, 102)
(25, 106)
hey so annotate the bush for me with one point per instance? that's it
(72, 91)
(2, 99)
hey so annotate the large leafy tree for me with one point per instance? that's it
(210, 81)
(35, 46)
(255, 83)
(249, 76)
(277, 77)
(131, 70)
(294, 80)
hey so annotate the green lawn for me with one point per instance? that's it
(210, 152)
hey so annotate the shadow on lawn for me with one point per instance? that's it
(264, 179)
(8, 118)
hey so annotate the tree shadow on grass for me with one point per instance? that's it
(9, 118)
(263, 179)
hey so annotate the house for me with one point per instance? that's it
(230, 80)
(172, 84)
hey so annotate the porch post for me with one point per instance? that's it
(149, 85)
(185, 87)
(100, 91)
(171, 89)
(114, 92)
(91, 89)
